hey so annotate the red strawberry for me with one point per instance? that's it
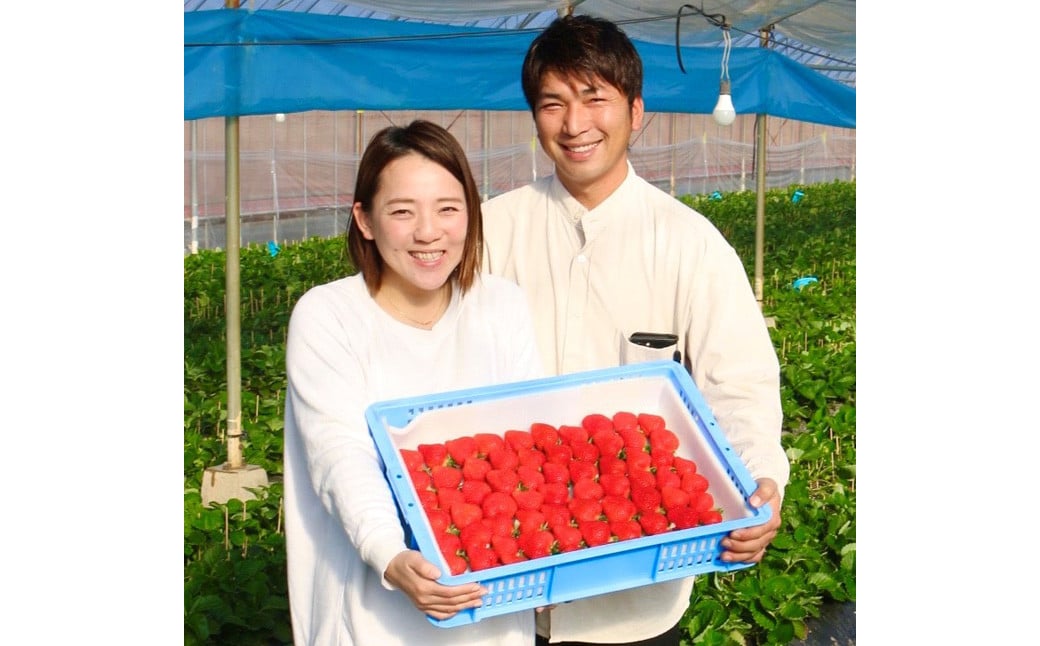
(504, 480)
(674, 497)
(568, 537)
(594, 532)
(555, 473)
(529, 520)
(616, 508)
(412, 459)
(559, 454)
(544, 435)
(694, 483)
(642, 479)
(683, 517)
(637, 461)
(440, 521)
(702, 501)
(449, 543)
(503, 457)
(497, 504)
(507, 548)
(528, 498)
(554, 493)
(421, 480)
(572, 434)
(649, 422)
(475, 534)
(580, 469)
(486, 442)
(464, 514)
(661, 460)
(446, 477)
(646, 499)
(584, 510)
(433, 454)
(614, 484)
(667, 479)
(530, 476)
(475, 469)
(482, 558)
(448, 497)
(609, 464)
(474, 491)
(663, 439)
(653, 523)
(585, 451)
(608, 442)
(499, 524)
(556, 514)
(536, 544)
(596, 422)
(623, 530)
(450, 548)
(683, 466)
(587, 489)
(461, 449)
(530, 458)
(428, 499)
(456, 564)
(519, 440)
(624, 420)
(634, 441)
(709, 517)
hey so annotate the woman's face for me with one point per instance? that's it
(418, 223)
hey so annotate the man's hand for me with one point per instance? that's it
(417, 578)
(748, 544)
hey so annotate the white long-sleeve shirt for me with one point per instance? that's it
(641, 261)
(342, 529)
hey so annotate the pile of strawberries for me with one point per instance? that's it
(498, 499)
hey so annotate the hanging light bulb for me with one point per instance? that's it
(724, 113)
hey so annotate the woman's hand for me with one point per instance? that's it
(417, 578)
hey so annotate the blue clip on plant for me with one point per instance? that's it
(272, 248)
(799, 283)
(797, 197)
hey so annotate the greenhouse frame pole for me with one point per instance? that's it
(232, 290)
(760, 197)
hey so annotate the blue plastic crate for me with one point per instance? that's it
(660, 387)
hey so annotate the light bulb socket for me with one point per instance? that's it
(724, 87)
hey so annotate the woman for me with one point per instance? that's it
(418, 318)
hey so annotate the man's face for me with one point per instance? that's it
(584, 126)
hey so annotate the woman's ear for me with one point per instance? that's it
(361, 221)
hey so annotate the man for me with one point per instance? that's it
(603, 254)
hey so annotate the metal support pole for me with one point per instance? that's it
(194, 186)
(760, 201)
(232, 297)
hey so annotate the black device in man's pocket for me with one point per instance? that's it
(657, 340)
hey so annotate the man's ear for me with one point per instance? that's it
(637, 113)
(361, 221)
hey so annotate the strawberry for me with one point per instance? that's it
(504, 480)
(544, 435)
(596, 422)
(694, 483)
(683, 517)
(530, 458)
(474, 491)
(554, 493)
(456, 564)
(529, 520)
(440, 521)
(421, 480)
(475, 534)
(503, 457)
(464, 513)
(481, 558)
(616, 508)
(614, 484)
(667, 479)
(555, 473)
(530, 476)
(519, 440)
(428, 499)
(661, 460)
(507, 548)
(446, 477)
(634, 440)
(412, 459)
(580, 469)
(683, 465)
(528, 498)
(594, 532)
(449, 543)
(568, 537)
(646, 499)
(461, 449)
(559, 454)
(623, 530)
(433, 454)
(498, 504)
(587, 489)
(674, 497)
(637, 461)
(709, 517)
(642, 479)
(608, 442)
(536, 544)
(610, 465)
(556, 514)
(702, 501)
(650, 423)
(447, 497)
(585, 451)
(573, 434)
(653, 523)
(500, 524)
(584, 510)
(475, 469)
(486, 442)
(663, 439)
(624, 420)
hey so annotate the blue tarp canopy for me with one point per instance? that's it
(238, 63)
